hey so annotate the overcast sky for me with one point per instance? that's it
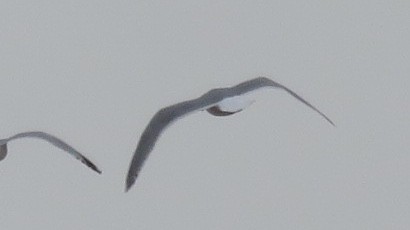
(94, 72)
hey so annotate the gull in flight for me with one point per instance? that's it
(52, 140)
(217, 102)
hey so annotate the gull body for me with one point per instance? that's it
(50, 139)
(235, 104)
(218, 102)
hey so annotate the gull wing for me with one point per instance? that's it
(261, 82)
(162, 119)
(52, 140)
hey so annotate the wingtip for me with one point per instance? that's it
(129, 183)
(3, 151)
(91, 165)
(127, 187)
(331, 122)
(324, 116)
(98, 171)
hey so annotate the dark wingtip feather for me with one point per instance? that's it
(327, 118)
(3, 151)
(130, 182)
(331, 122)
(91, 165)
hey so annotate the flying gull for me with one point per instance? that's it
(52, 140)
(217, 102)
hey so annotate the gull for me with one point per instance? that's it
(217, 102)
(52, 140)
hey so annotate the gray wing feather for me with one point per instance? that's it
(52, 140)
(263, 81)
(162, 119)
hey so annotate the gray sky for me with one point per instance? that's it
(94, 72)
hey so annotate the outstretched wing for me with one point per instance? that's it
(301, 100)
(162, 119)
(260, 82)
(56, 142)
